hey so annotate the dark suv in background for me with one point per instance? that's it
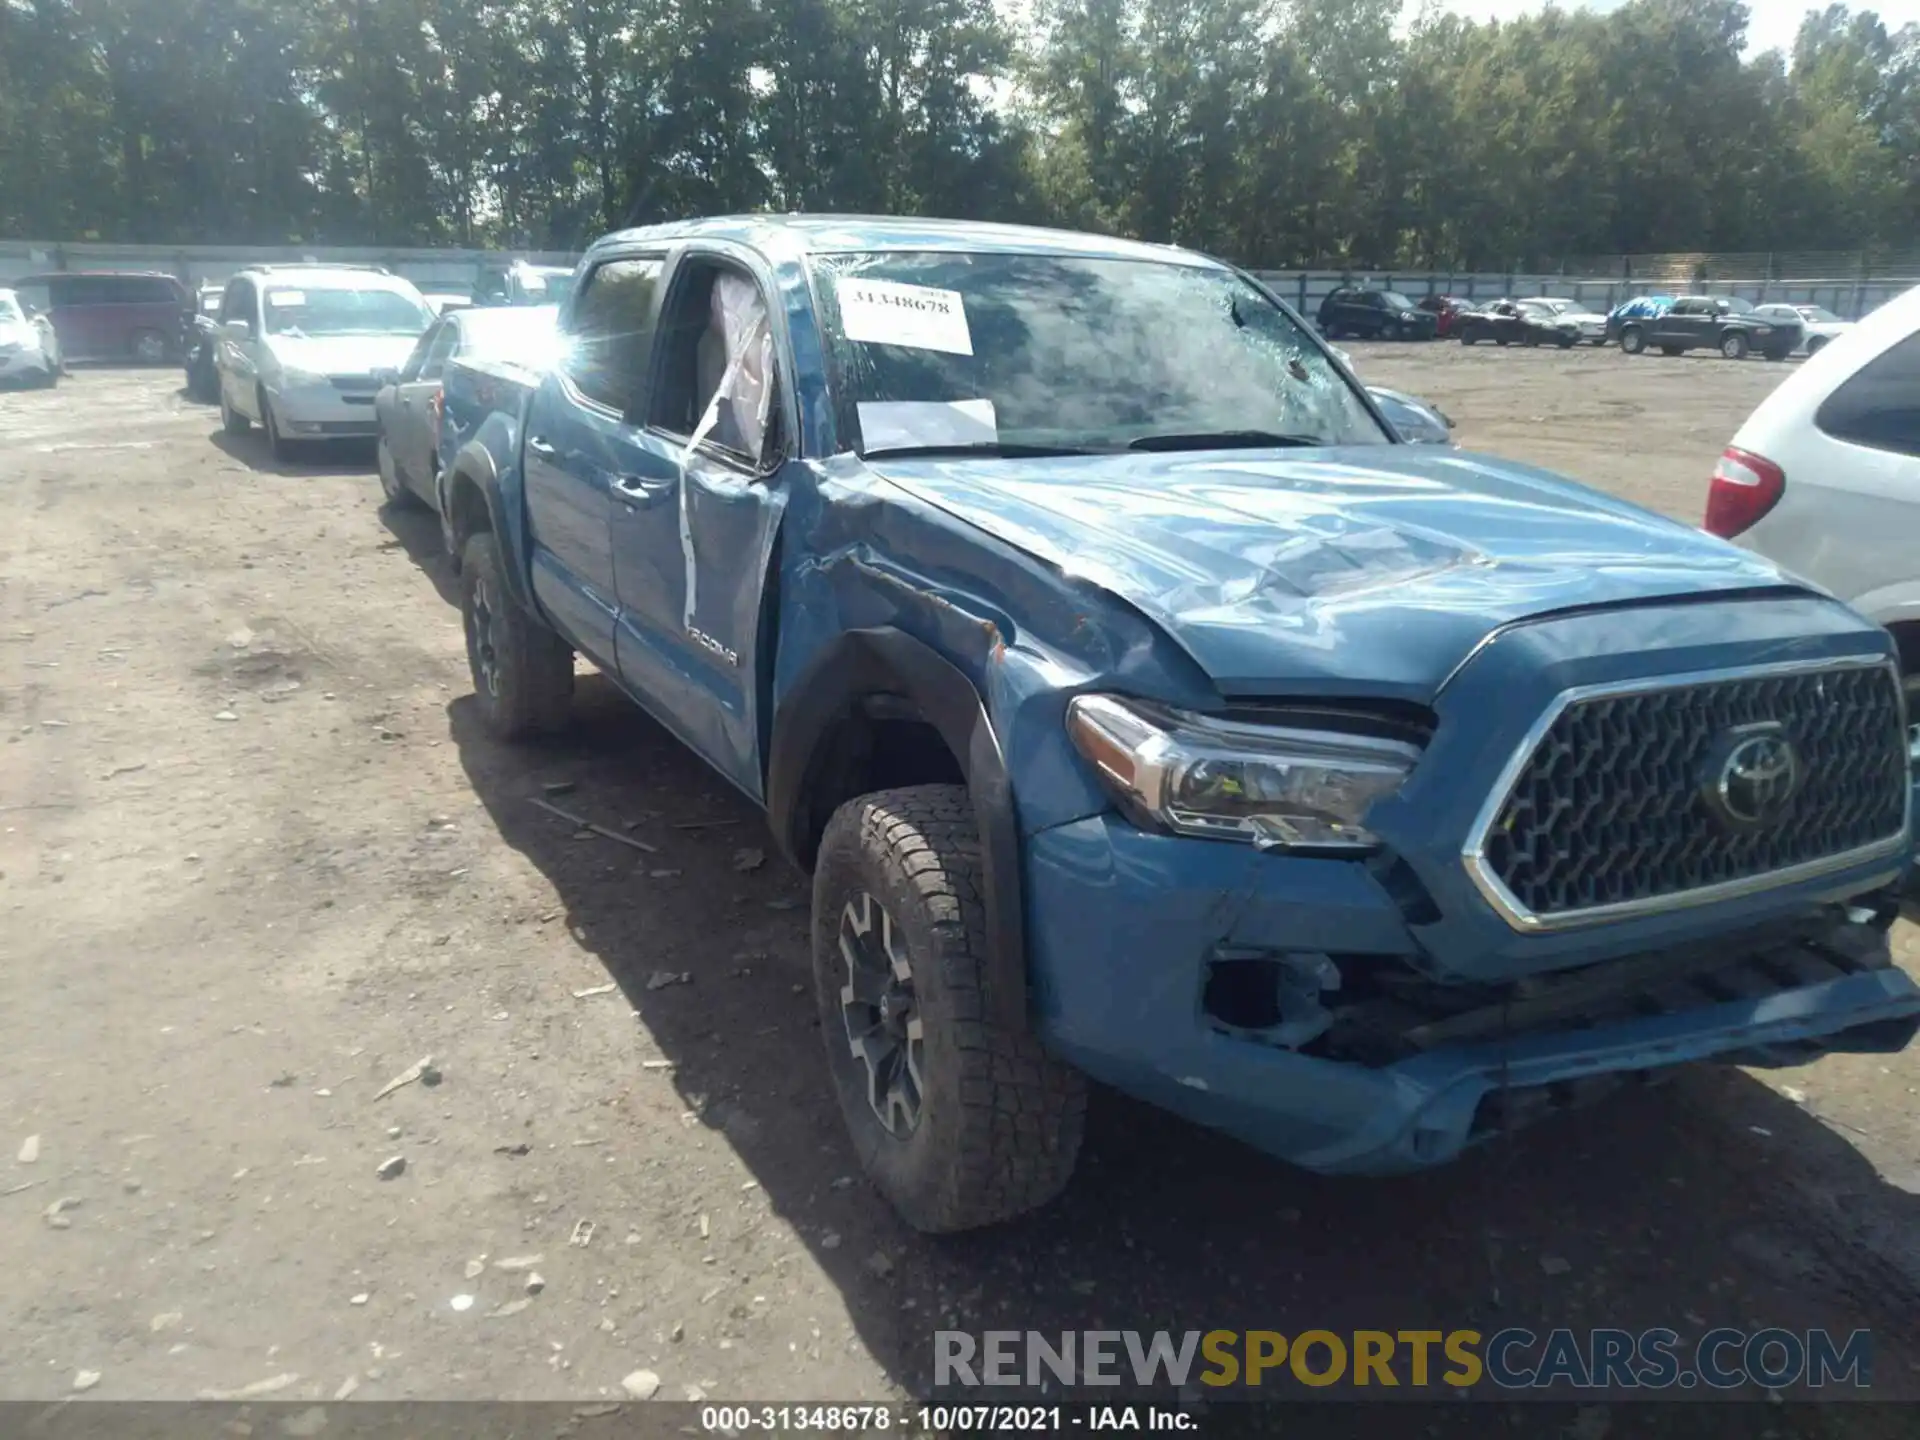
(111, 315)
(1375, 315)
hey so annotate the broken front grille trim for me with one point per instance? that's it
(1480, 871)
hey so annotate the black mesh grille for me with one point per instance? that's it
(1610, 807)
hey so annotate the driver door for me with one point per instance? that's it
(695, 512)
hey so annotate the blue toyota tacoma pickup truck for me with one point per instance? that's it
(1146, 710)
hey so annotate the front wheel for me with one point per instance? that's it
(522, 671)
(958, 1121)
(1733, 345)
(231, 420)
(1633, 340)
(278, 443)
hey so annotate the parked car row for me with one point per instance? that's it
(1670, 324)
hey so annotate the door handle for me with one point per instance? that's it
(639, 492)
(541, 447)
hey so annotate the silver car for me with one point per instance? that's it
(406, 410)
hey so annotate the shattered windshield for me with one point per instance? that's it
(942, 349)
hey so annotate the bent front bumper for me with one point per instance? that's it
(1127, 929)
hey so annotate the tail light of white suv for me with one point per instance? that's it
(1745, 487)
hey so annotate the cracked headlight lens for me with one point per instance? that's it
(1270, 786)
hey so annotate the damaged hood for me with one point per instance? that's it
(1376, 568)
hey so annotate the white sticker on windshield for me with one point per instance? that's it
(885, 312)
(287, 297)
(890, 424)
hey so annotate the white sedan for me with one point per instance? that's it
(1824, 477)
(1819, 327)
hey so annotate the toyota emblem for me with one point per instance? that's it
(1752, 773)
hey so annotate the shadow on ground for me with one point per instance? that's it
(308, 457)
(1710, 1201)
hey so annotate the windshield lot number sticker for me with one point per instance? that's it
(885, 312)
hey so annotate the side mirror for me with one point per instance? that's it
(238, 329)
(386, 375)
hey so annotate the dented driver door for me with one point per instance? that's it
(694, 519)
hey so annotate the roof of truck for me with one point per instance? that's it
(796, 235)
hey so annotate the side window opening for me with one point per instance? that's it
(611, 330)
(1879, 404)
(434, 363)
(417, 361)
(717, 384)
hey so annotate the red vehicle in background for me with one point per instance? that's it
(1446, 309)
(111, 314)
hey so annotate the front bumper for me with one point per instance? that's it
(321, 409)
(1371, 1014)
(27, 362)
(1127, 928)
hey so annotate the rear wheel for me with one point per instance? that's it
(1633, 340)
(1733, 345)
(958, 1121)
(392, 485)
(522, 671)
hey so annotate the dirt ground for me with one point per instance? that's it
(256, 861)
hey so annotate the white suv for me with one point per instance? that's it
(301, 346)
(1824, 478)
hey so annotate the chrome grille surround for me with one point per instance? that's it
(1724, 868)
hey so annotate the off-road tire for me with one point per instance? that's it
(1633, 340)
(1000, 1121)
(523, 681)
(1733, 345)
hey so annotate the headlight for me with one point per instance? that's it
(294, 375)
(1266, 785)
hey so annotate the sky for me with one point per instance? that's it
(1771, 24)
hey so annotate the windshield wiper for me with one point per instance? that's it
(1004, 449)
(1222, 440)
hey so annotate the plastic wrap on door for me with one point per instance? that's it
(737, 415)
